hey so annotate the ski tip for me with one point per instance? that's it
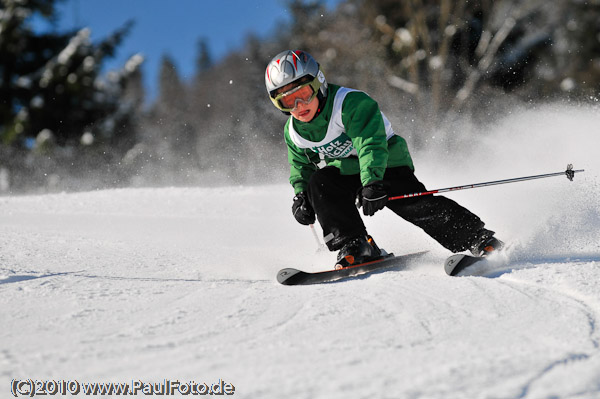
(284, 275)
(456, 264)
(451, 264)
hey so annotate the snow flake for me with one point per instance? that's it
(567, 84)
(37, 102)
(87, 138)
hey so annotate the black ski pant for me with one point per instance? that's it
(333, 197)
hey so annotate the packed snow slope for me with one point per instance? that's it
(179, 284)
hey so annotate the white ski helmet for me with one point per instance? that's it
(291, 67)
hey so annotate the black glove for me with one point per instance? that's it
(372, 197)
(302, 210)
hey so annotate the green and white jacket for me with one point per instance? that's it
(350, 133)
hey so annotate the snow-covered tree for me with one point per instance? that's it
(51, 81)
(59, 116)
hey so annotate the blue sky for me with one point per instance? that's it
(174, 27)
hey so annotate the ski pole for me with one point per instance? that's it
(320, 245)
(570, 173)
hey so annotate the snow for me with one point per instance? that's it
(179, 283)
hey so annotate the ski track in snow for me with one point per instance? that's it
(588, 309)
(179, 283)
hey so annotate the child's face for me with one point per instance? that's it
(306, 112)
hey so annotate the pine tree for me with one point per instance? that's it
(51, 81)
(204, 58)
(171, 91)
(58, 114)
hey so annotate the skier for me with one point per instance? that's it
(365, 162)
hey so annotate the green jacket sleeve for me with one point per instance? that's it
(303, 163)
(364, 125)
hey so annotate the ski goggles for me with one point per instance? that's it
(288, 101)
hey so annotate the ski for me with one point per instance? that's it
(456, 264)
(290, 276)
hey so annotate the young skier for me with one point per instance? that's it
(366, 162)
